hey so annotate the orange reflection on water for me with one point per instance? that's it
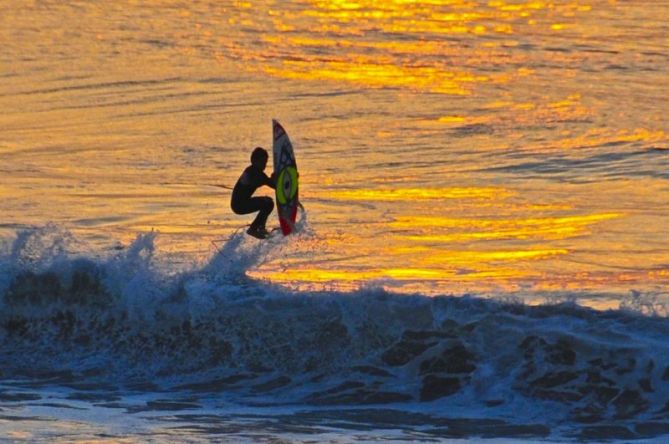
(378, 74)
(319, 275)
(477, 257)
(397, 14)
(489, 229)
(599, 137)
(601, 279)
(416, 48)
(501, 267)
(568, 109)
(425, 245)
(413, 194)
(464, 120)
(395, 43)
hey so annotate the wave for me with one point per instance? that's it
(215, 330)
(594, 165)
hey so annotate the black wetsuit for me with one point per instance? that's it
(242, 201)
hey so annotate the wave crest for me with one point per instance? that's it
(214, 329)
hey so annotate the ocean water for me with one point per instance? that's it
(483, 251)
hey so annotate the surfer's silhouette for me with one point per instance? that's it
(243, 202)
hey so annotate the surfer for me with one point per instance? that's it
(242, 201)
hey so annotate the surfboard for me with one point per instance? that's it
(285, 172)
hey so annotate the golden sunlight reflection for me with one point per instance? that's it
(413, 194)
(503, 248)
(377, 74)
(601, 136)
(351, 277)
(468, 229)
(397, 43)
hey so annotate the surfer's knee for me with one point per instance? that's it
(269, 203)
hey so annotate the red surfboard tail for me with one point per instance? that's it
(288, 225)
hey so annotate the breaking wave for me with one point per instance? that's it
(213, 329)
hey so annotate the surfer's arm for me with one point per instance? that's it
(271, 181)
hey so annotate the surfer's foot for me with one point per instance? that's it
(260, 233)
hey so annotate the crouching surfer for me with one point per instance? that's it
(243, 202)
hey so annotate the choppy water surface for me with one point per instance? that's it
(513, 150)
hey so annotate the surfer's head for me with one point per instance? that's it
(259, 157)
